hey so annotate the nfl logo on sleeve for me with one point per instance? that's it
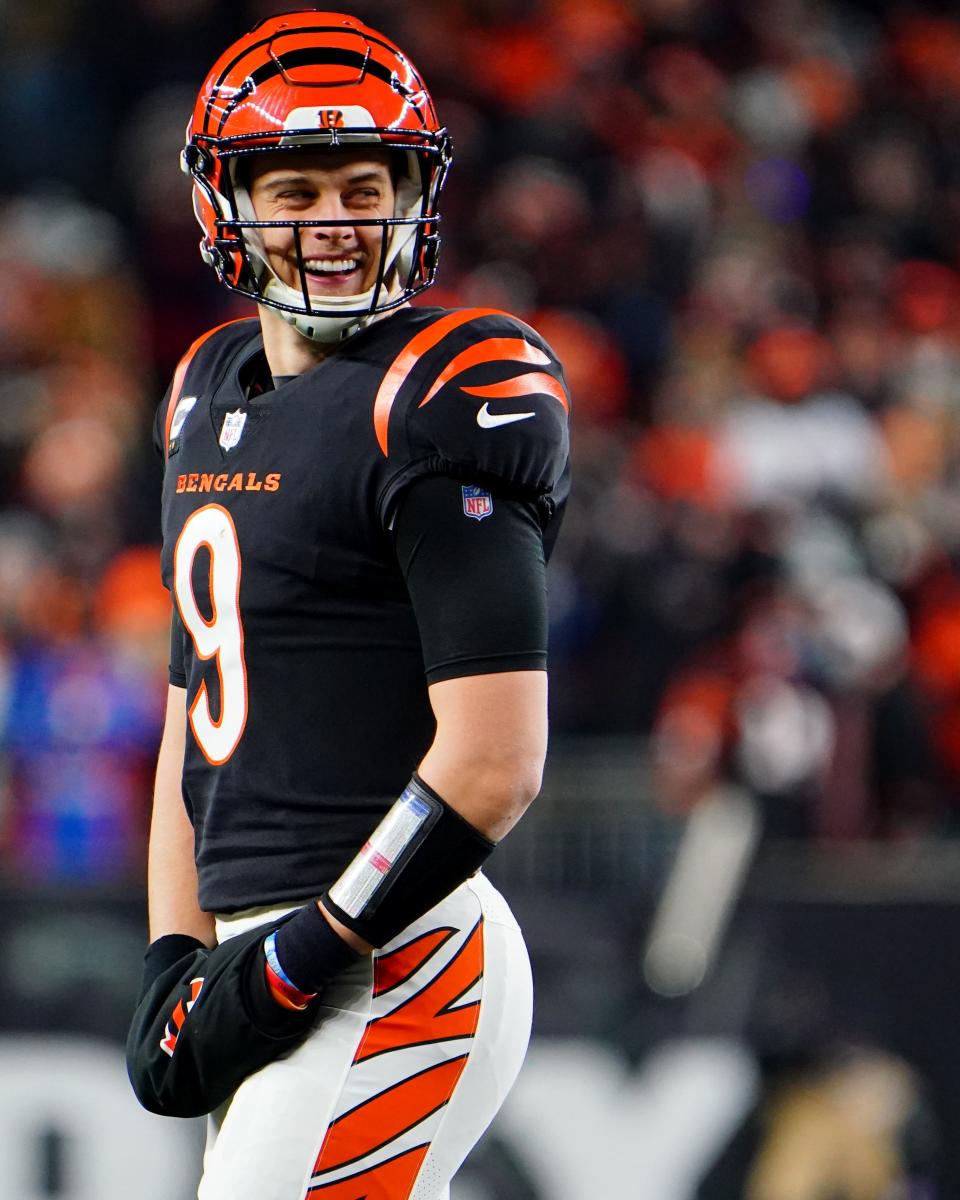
(477, 502)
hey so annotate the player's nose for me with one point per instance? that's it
(333, 220)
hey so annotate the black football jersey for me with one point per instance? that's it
(293, 632)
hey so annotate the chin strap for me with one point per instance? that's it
(327, 328)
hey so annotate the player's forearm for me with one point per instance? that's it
(488, 785)
(481, 772)
(171, 872)
(487, 757)
(491, 790)
(172, 893)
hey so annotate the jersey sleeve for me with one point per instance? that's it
(478, 587)
(487, 404)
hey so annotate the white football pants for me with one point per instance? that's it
(413, 1054)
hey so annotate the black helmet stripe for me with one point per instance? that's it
(375, 68)
(317, 56)
(309, 56)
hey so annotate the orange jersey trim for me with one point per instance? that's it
(180, 374)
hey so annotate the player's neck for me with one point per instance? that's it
(288, 351)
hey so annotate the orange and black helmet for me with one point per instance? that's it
(316, 79)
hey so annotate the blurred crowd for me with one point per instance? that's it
(739, 225)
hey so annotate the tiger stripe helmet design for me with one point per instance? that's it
(313, 79)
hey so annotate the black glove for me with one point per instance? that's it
(206, 1020)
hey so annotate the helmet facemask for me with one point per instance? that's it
(409, 244)
(329, 318)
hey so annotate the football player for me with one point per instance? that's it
(358, 502)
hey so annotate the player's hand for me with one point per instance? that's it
(206, 1020)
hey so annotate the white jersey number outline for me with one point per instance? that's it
(220, 638)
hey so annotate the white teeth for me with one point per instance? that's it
(327, 266)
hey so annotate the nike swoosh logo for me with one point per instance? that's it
(488, 420)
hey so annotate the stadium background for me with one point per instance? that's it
(739, 225)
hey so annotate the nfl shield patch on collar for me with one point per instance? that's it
(233, 424)
(477, 502)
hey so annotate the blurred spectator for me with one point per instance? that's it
(81, 725)
(739, 227)
(853, 1123)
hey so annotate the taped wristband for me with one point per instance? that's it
(307, 952)
(280, 983)
(417, 855)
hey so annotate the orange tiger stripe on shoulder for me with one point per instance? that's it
(180, 374)
(410, 355)
(533, 383)
(489, 350)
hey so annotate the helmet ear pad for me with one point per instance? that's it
(410, 202)
(238, 173)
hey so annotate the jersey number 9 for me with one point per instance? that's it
(220, 638)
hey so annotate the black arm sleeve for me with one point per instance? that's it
(478, 587)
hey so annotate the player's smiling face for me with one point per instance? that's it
(337, 187)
